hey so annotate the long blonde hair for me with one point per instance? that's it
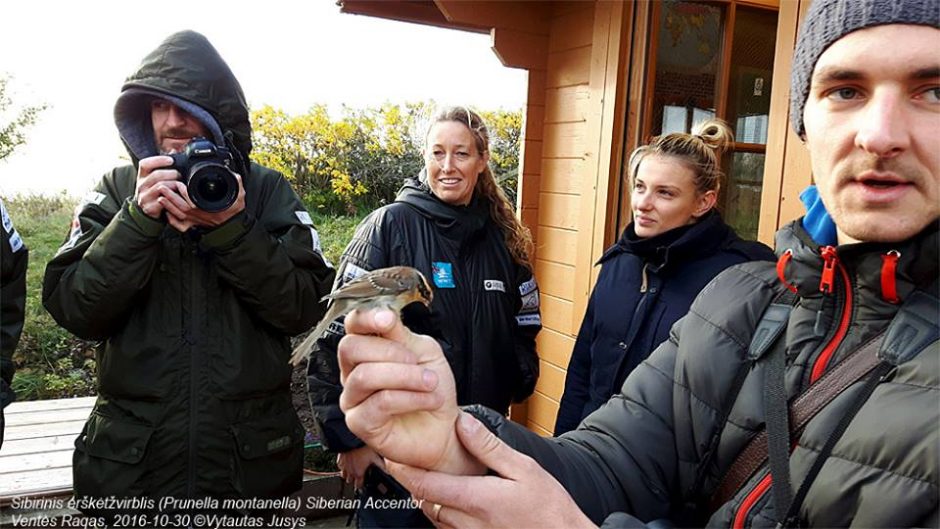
(701, 151)
(518, 238)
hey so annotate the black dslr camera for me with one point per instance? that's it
(205, 169)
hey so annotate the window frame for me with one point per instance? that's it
(722, 81)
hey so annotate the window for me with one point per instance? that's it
(710, 59)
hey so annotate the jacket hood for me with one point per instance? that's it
(708, 235)
(456, 222)
(188, 71)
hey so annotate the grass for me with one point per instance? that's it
(50, 362)
(335, 232)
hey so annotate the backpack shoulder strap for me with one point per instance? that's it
(914, 327)
(770, 327)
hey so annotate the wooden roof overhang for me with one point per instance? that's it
(518, 29)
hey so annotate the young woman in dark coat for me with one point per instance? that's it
(675, 245)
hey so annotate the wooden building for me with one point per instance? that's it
(603, 77)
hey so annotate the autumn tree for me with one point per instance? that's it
(13, 124)
(505, 128)
(360, 159)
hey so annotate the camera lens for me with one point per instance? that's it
(212, 186)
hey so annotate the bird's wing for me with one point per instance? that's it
(388, 282)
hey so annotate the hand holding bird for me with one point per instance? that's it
(392, 288)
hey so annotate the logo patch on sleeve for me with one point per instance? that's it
(7, 221)
(528, 319)
(336, 327)
(530, 302)
(75, 233)
(304, 217)
(527, 287)
(351, 271)
(16, 242)
(317, 248)
(443, 274)
(93, 197)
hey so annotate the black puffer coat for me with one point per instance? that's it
(645, 451)
(485, 309)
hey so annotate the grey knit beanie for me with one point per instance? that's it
(830, 20)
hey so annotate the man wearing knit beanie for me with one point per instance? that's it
(797, 394)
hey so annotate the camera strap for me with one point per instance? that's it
(241, 163)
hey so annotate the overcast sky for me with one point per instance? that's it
(291, 54)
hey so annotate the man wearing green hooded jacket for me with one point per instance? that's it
(194, 308)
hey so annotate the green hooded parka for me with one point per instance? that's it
(193, 374)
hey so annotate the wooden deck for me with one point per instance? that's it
(36, 461)
(36, 458)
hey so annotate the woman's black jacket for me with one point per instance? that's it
(485, 310)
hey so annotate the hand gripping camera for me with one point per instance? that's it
(205, 169)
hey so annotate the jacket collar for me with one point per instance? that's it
(915, 263)
(455, 222)
(675, 246)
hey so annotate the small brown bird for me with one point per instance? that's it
(391, 288)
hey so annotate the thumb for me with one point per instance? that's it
(374, 321)
(388, 323)
(489, 449)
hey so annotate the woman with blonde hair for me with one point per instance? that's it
(454, 224)
(675, 245)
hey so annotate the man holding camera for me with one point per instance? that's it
(193, 266)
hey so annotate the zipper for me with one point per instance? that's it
(193, 367)
(830, 261)
(827, 285)
(822, 361)
(750, 500)
(467, 294)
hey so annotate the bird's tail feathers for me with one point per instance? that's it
(303, 350)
